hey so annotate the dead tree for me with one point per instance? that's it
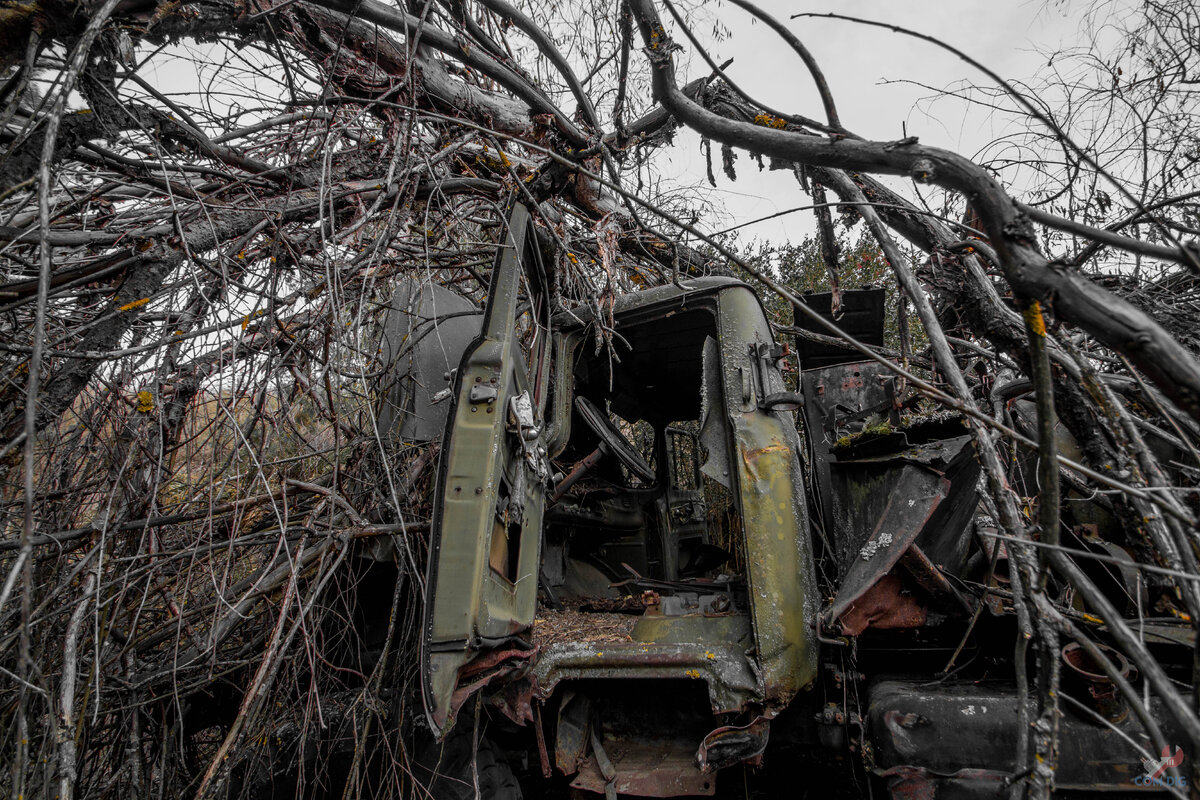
(206, 210)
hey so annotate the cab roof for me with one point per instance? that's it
(670, 294)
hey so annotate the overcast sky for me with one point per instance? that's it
(877, 78)
(866, 68)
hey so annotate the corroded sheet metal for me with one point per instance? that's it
(894, 518)
(572, 734)
(647, 769)
(733, 744)
(726, 670)
(770, 483)
(835, 398)
(493, 667)
(883, 605)
(488, 503)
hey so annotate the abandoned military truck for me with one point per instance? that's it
(699, 556)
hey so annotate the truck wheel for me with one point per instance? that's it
(447, 774)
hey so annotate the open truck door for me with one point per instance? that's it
(481, 581)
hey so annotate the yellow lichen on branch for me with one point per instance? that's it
(1034, 319)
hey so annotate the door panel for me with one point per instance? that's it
(481, 587)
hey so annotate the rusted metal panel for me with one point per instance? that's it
(884, 477)
(647, 769)
(733, 744)
(931, 579)
(897, 494)
(491, 668)
(883, 605)
(893, 503)
(835, 397)
(731, 681)
(539, 729)
(573, 732)
(868, 471)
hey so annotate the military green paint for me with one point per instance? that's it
(770, 481)
(783, 600)
(727, 629)
(468, 600)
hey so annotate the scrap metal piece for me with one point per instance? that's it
(931, 579)
(733, 744)
(883, 605)
(960, 740)
(830, 393)
(604, 764)
(492, 667)
(540, 730)
(573, 732)
(907, 507)
(649, 769)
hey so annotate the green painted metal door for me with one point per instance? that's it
(481, 587)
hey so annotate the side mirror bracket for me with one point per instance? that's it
(782, 401)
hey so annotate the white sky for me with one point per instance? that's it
(866, 67)
(857, 61)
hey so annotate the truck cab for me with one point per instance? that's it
(619, 515)
(622, 564)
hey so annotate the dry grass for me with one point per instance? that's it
(569, 626)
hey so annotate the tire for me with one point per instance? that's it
(446, 771)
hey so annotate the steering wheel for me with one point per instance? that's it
(612, 441)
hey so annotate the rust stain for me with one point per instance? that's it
(753, 455)
(883, 606)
